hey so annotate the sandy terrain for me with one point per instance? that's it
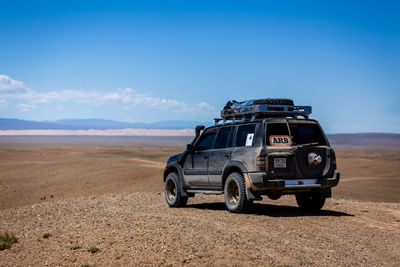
(28, 174)
(108, 196)
(139, 229)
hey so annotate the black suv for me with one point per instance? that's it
(259, 147)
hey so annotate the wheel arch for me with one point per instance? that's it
(175, 167)
(168, 170)
(238, 166)
(230, 167)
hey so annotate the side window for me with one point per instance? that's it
(223, 137)
(245, 135)
(231, 136)
(206, 141)
(276, 129)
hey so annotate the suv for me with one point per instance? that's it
(259, 147)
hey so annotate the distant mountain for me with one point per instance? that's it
(375, 141)
(365, 140)
(354, 140)
(96, 124)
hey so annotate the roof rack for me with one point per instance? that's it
(253, 112)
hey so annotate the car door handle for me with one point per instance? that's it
(226, 155)
(205, 156)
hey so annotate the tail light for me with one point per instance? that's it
(334, 161)
(260, 164)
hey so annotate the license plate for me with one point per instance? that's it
(279, 162)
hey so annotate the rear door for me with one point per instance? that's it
(220, 155)
(281, 160)
(311, 140)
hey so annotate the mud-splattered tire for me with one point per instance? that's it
(235, 193)
(172, 189)
(310, 201)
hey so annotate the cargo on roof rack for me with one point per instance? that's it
(263, 108)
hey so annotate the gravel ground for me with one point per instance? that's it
(139, 229)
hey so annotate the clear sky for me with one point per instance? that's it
(162, 60)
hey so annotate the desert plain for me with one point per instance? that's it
(62, 195)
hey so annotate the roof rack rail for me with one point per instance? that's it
(265, 111)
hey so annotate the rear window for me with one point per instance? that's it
(245, 135)
(276, 129)
(306, 133)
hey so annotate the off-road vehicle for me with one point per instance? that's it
(258, 147)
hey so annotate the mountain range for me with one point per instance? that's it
(95, 124)
(100, 127)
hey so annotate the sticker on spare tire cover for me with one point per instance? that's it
(280, 140)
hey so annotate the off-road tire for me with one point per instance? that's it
(172, 190)
(310, 201)
(235, 193)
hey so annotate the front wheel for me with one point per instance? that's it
(235, 193)
(310, 201)
(173, 193)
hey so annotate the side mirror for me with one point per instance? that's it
(198, 129)
(191, 148)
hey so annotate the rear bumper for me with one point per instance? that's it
(260, 181)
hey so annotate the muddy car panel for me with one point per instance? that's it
(207, 168)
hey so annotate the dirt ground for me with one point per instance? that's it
(109, 196)
(28, 174)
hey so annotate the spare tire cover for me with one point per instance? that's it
(303, 166)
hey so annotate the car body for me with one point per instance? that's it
(270, 156)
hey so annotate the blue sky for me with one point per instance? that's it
(162, 60)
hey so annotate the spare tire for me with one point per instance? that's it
(273, 101)
(307, 171)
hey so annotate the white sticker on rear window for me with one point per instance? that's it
(280, 140)
(249, 139)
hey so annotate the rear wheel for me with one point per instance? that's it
(310, 201)
(235, 193)
(173, 193)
